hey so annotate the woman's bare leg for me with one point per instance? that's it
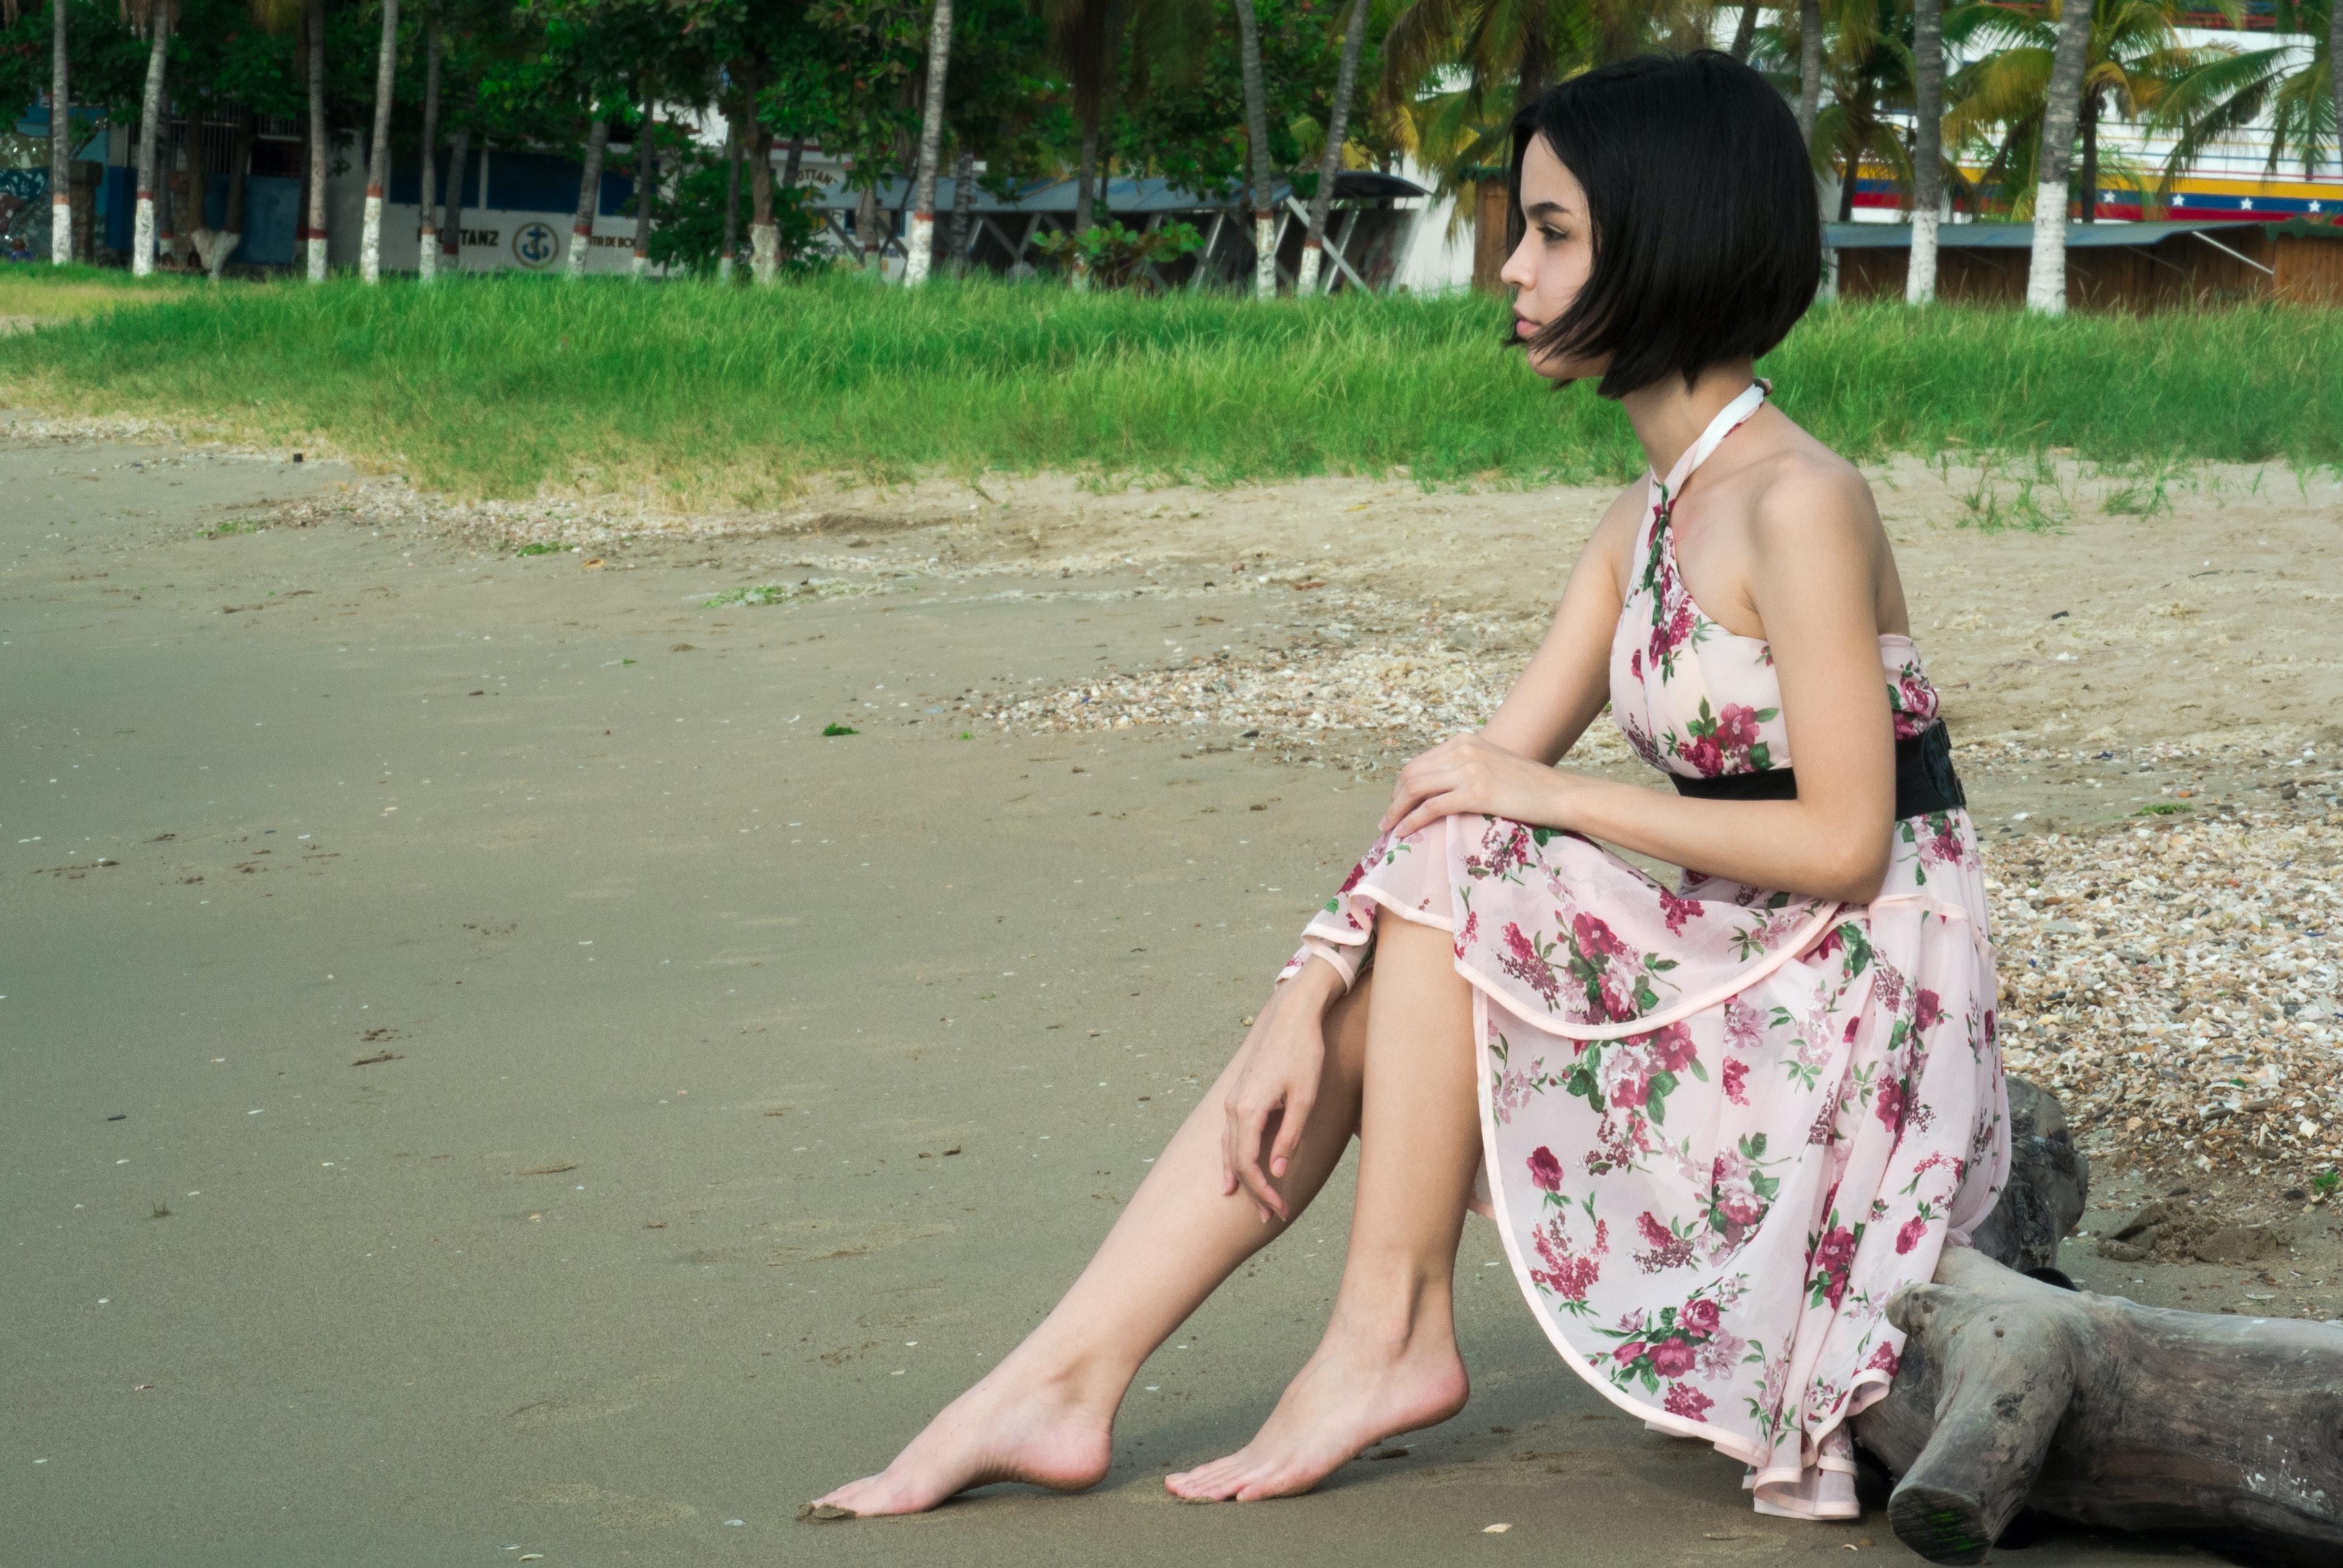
(1388, 1363)
(1046, 1413)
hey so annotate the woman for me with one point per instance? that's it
(1718, 1124)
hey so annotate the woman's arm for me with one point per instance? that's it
(1818, 555)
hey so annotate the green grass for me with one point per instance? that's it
(700, 394)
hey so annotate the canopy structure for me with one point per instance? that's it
(2109, 265)
(1366, 233)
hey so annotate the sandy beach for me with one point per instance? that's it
(487, 1077)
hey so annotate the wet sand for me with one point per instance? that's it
(596, 1112)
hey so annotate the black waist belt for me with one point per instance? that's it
(1925, 780)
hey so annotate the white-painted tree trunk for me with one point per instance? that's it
(590, 195)
(1264, 181)
(426, 252)
(730, 253)
(1920, 274)
(2046, 268)
(60, 144)
(150, 118)
(1330, 164)
(920, 254)
(646, 188)
(321, 152)
(385, 72)
(764, 232)
(1928, 148)
(764, 252)
(2045, 271)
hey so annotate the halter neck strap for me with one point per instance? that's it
(1729, 419)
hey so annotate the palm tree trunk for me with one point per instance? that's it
(921, 253)
(60, 143)
(321, 150)
(1264, 219)
(1744, 34)
(2045, 273)
(731, 250)
(1928, 147)
(866, 230)
(2335, 68)
(964, 207)
(1810, 69)
(459, 159)
(1086, 177)
(796, 160)
(1346, 79)
(2091, 157)
(239, 170)
(1537, 62)
(645, 176)
(385, 72)
(590, 192)
(764, 234)
(426, 249)
(150, 115)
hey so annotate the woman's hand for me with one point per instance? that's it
(1468, 773)
(1276, 1085)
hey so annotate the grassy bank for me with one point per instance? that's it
(494, 386)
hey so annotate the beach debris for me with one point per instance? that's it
(823, 1512)
(1386, 1453)
(552, 1168)
(1494, 1528)
(839, 729)
(119, 1116)
(2175, 983)
(378, 1056)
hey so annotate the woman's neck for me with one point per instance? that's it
(1669, 417)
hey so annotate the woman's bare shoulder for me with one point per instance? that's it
(1802, 495)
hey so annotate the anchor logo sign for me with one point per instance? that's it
(535, 245)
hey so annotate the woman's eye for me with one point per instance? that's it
(1554, 236)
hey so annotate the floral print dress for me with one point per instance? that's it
(1721, 1125)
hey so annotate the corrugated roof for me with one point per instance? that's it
(1122, 196)
(2011, 235)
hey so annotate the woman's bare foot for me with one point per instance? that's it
(1347, 1397)
(1001, 1430)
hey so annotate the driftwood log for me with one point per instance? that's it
(2018, 1391)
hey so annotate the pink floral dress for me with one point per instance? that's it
(1721, 1125)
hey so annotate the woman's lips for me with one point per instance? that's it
(1524, 328)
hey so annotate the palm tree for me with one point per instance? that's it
(1087, 36)
(1264, 172)
(1509, 52)
(2045, 270)
(313, 228)
(426, 252)
(921, 251)
(2235, 88)
(385, 71)
(157, 17)
(60, 139)
(1346, 81)
(590, 189)
(1928, 147)
(2132, 63)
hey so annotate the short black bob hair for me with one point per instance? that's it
(1707, 237)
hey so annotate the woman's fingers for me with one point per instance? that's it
(1298, 1105)
(1415, 787)
(1250, 1137)
(1430, 810)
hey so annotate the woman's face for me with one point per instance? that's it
(1555, 260)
